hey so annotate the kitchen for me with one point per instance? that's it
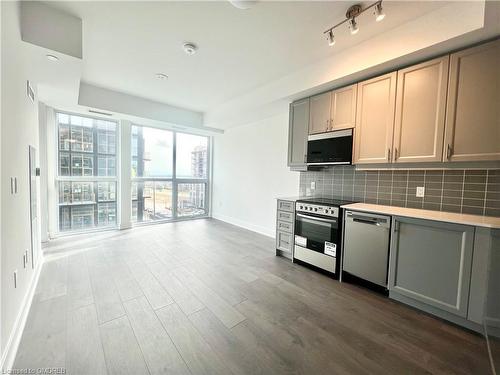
(398, 176)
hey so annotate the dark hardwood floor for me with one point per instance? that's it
(205, 297)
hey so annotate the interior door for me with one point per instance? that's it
(375, 119)
(319, 119)
(473, 110)
(420, 112)
(33, 205)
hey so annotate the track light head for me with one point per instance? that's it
(353, 26)
(379, 12)
(331, 38)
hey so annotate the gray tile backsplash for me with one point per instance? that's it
(456, 190)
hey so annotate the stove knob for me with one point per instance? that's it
(315, 209)
(301, 207)
(327, 212)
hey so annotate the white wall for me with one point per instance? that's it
(250, 171)
(19, 124)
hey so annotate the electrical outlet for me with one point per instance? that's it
(420, 191)
(15, 279)
(313, 185)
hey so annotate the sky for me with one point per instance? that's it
(159, 147)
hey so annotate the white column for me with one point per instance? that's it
(124, 178)
(51, 147)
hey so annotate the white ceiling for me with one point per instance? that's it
(127, 43)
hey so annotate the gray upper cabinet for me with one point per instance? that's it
(420, 112)
(334, 110)
(473, 109)
(343, 108)
(431, 263)
(297, 133)
(375, 120)
(319, 117)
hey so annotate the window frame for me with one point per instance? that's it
(175, 181)
(93, 179)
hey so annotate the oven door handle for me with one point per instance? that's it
(317, 218)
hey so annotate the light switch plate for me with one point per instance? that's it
(313, 185)
(420, 191)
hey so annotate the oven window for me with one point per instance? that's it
(316, 232)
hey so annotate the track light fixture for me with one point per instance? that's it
(350, 18)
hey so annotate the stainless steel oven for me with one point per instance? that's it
(318, 236)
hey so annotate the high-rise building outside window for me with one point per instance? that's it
(87, 154)
(169, 174)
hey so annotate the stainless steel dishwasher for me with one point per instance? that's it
(366, 246)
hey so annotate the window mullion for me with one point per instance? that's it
(175, 188)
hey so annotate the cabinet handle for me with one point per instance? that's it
(305, 158)
(327, 125)
(448, 152)
(389, 155)
(395, 154)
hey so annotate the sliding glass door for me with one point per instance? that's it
(169, 174)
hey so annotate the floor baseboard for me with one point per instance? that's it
(10, 350)
(244, 225)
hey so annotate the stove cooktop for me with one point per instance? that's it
(326, 201)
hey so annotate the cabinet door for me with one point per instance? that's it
(343, 108)
(431, 263)
(420, 112)
(375, 119)
(473, 110)
(319, 119)
(297, 133)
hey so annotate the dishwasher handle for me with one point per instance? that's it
(368, 219)
(365, 221)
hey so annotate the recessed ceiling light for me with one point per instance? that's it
(161, 76)
(52, 57)
(190, 48)
(242, 4)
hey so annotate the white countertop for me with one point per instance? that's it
(291, 199)
(450, 217)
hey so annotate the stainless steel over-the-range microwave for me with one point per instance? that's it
(330, 148)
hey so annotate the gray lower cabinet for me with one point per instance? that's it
(430, 264)
(285, 215)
